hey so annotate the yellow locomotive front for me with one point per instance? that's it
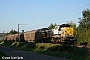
(63, 33)
(69, 35)
(68, 31)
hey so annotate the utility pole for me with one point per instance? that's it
(3, 35)
(18, 30)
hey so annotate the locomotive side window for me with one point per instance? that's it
(56, 28)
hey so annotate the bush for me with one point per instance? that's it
(40, 46)
(14, 44)
(54, 48)
(20, 44)
(46, 46)
(31, 45)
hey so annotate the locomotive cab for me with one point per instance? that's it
(63, 33)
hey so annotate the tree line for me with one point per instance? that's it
(9, 33)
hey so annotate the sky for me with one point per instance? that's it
(36, 14)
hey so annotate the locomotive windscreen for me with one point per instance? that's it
(64, 25)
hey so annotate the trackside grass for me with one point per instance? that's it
(64, 51)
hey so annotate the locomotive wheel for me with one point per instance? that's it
(53, 41)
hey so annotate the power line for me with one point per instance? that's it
(65, 13)
(69, 11)
(58, 19)
(62, 14)
(48, 10)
